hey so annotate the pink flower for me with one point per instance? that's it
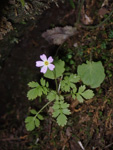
(45, 63)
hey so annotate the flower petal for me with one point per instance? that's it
(44, 69)
(50, 59)
(43, 57)
(51, 66)
(39, 63)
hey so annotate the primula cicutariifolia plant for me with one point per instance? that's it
(92, 74)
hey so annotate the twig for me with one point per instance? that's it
(13, 139)
(108, 146)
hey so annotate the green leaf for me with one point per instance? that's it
(88, 94)
(69, 82)
(51, 95)
(72, 4)
(61, 98)
(37, 122)
(72, 85)
(30, 126)
(56, 106)
(64, 105)
(40, 117)
(79, 98)
(22, 3)
(47, 84)
(57, 72)
(73, 96)
(45, 90)
(74, 78)
(61, 120)
(81, 88)
(66, 111)
(33, 111)
(34, 93)
(74, 90)
(29, 119)
(91, 73)
(56, 113)
(42, 81)
(33, 84)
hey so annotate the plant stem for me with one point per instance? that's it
(91, 56)
(43, 108)
(60, 84)
(79, 12)
(56, 82)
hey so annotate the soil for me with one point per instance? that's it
(91, 123)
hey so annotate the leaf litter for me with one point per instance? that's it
(59, 35)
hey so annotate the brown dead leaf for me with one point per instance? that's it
(5, 27)
(50, 111)
(84, 119)
(105, 3)
(74, 145)
(109, 132)
(96, 117)
(77, 110)
(89, 101)
(58, 35)
(102, 11)
(68, 132)
(108, 123)
(73, 105)
(103, 105)
(85, 18)
(111, 51)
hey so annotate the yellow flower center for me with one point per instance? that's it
(46, 63)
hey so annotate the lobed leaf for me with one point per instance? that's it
(74, 78)
(42, 81)
(79, 98)
(81, 88)
(29, 119)
(40, 117)
(37, 122)
(64, 105)
(33, 111)
(88, 94)
(34, 93)
(56, 113)
(66, 111)
(61, 120)
(33, 84)
(51, 95)
(30, 126)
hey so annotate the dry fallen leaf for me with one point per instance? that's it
(102, 11)
(68, 132)
(5, 27)
(105, 3)
(85, 118)
(85, 18)
(74, 144)
(58, 35)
